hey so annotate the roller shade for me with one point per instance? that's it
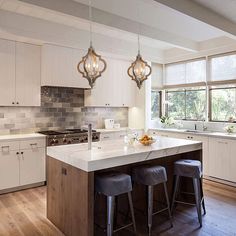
(184, 74)
(223, 69)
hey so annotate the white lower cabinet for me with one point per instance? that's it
(9, 169)
(32, 166)
(22, 165)
(222, 157)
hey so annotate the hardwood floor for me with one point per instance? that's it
(23, 213)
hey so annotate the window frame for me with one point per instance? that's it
(160, 92)
(185, 90)
(210, 105)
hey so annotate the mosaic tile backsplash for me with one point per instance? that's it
(60, 108)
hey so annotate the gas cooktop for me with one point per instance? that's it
(66, 131)
(69, 136)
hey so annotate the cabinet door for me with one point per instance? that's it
(32, 166)
(7, 73)
(219, 158)
(9, 169)
(205, 151)
(103, 92)
(232, 164)
(129, 87)
(59, 67)
(28, 70)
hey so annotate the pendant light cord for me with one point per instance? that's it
(90, 22)
(139, 28)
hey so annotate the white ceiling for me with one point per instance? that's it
(225, 8)
(65, 22)
(159, 16)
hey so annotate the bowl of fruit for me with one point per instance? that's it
(147, 140)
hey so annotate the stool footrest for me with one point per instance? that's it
(186, 203)
(123, 227)
(157, 212)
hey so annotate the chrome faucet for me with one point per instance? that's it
(89, 136)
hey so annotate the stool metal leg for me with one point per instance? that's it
(196, 185)
(132, 211)
(202, 197)
(176, 185)
(168, 203)
(150, 208)
(110, 214)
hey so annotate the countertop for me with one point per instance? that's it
(107, 154)
(11, 137)
(198, 132)
(116, 130)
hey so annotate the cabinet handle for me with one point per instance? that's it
(33, 144)
(222, 142)
(64, 171)
(106, 137)
(17, 103)
(13, 103)
(22, 155)
(18, 155)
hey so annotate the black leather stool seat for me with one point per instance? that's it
(188, 168)
(113, 183)
(149, 175)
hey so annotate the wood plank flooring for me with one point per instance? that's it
(23, 213)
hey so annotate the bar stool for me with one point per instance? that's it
(191, 169)
(112, 184)
(151, 176)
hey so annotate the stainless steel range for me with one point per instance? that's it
(69, 136)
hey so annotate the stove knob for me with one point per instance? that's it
(56, 141)
(64, 140)
(52, 142)
(69, 142)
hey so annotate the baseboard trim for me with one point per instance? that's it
(10, 190)
(219, 182)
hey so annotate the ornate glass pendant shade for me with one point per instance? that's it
(92, 65)
(139, 70)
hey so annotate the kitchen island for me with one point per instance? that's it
(71, 170)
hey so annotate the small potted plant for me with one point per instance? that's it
(230, 129)
(167, 121)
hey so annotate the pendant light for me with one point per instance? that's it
(92, 65)
(139, 69)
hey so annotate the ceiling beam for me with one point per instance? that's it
(80, 10)
(201, 13)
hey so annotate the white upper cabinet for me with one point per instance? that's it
(114, 88)
(59, 67)
(28, 70)
(19, 74)
(7, 73)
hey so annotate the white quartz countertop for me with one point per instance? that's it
(11, 137)
(198, 132)
(107, 154)
(115, 130)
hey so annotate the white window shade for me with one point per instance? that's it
(185, 74)
(157, 76)
(223, 69)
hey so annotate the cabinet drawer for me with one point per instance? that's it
(106, 136)
(119, 135)
(9, 146)
(34, 143)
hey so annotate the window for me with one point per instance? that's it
(186, 104)
(155, 104)
(223, 104)
(186, 73)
